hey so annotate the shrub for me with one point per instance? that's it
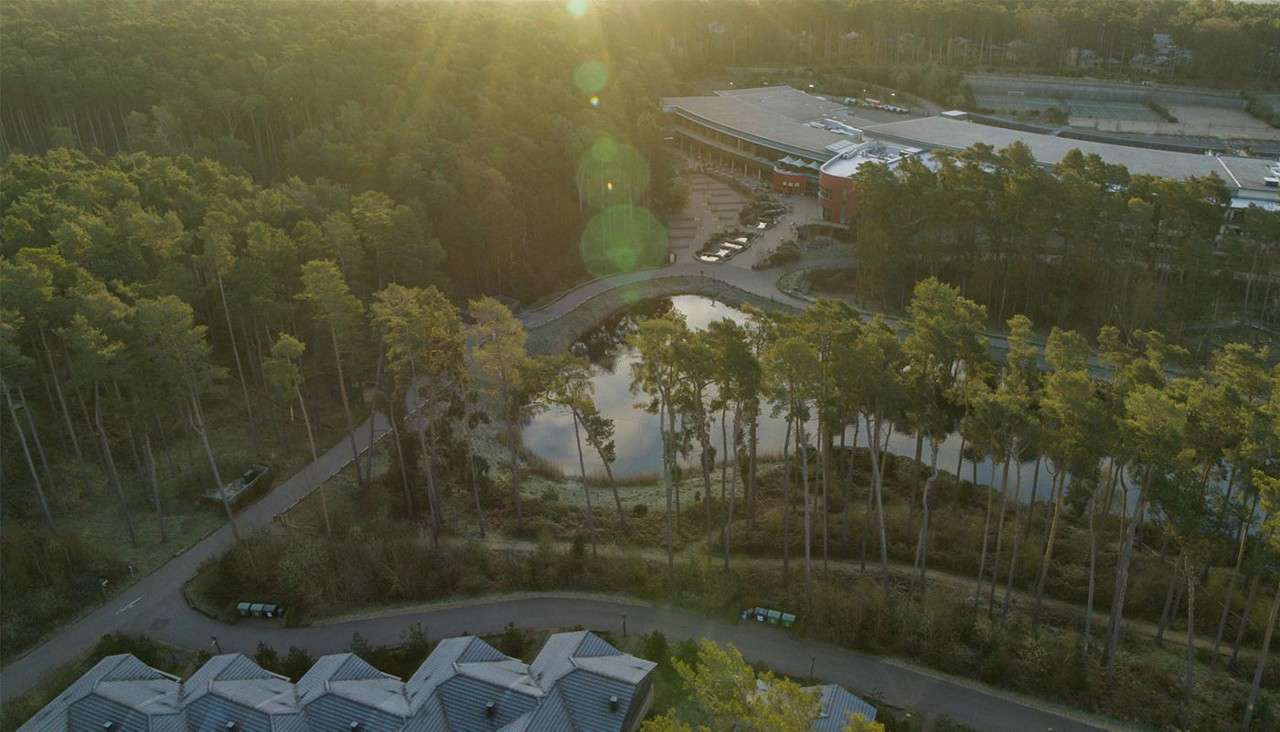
(514, 641)
(1161, 111)
(653, 646)
(788, 252)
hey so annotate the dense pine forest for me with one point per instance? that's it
(261, 170)
(467, 115)
(232, 230)
(1083, 244)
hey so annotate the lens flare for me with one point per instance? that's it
(623, 238)
(595, 102)
(590, 76)
(578, 8)
(611, 173)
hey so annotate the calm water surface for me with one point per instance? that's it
(639, 446)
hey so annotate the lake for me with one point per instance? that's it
(550, 434)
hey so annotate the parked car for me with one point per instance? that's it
(709, 258)
(734, 246)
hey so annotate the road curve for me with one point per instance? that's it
(899, 685)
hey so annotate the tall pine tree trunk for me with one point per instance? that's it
(66, 414)
(824, 434)
(35, 437)
(1059, 489)
(404, 474)
(877, 476)
(733, 488)
(155, 486)
(346, 409)
(751, 470)
(924, 519)
(1251, 704)
(198, 426)
(1092, 509)
(35, 476)
(111, 466)
(426, 445)
(986, 530)
(786, 503)
(1231, 585)
(1019, 530)
(235, 353)
(663, 410)
(1122, 584)
(1189, 683)
(586, 489)
(995, 558)
(803, 448)
(377, 386)
(315, 460)
(613, 486)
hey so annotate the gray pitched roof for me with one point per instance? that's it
(465, 684)
(118, 689)
(342, 689)
(837, 706)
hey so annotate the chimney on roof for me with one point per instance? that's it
(491, 709)
(108, 725)
(355, 726)
(230, 726)
(613, 703)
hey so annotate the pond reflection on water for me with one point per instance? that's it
(550, 434)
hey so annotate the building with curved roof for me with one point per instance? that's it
(810, 144)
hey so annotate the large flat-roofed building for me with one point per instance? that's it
(955, 133)
(800, 143)
(577, 682)
(804, 143)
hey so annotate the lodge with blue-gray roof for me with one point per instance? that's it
(578, 682)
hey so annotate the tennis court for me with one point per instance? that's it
(1089, 108)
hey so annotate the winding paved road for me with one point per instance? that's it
(155, 605)
(898, 685)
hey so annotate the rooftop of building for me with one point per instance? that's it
(778, 116)
(847, 162)
(955, 134)
(808, 125)
(578, 682)
(836, 706)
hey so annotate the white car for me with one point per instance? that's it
(743, 240)
(709, 258)
(762, 225)
(733, 246)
